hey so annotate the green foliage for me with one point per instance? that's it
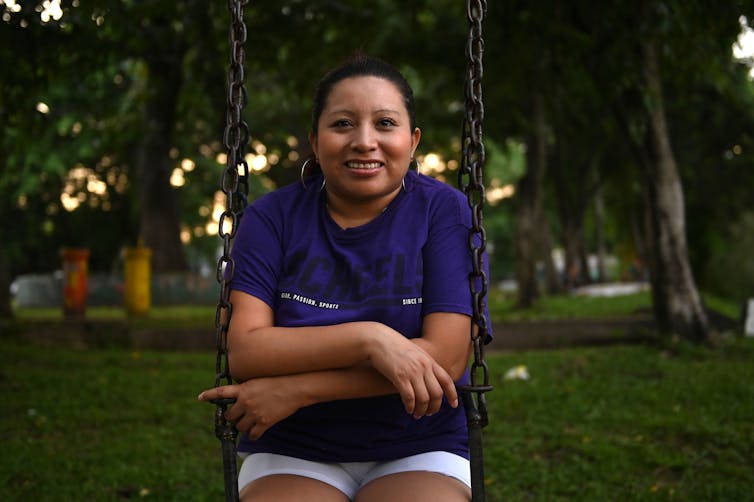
(505, 164)
(582, 58)
(731, 267)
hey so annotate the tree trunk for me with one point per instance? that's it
(159, 215)
(599, 233)
(573, 193)
(6, 312)
(529, 209)
(676, 301)
(553, 280)
(575, 251)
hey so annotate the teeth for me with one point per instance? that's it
(363, 165)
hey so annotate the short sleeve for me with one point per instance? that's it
(257, 253)
(448, 261)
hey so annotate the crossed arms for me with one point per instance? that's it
(283, 369)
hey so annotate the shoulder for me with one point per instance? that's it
(441, 199)
(433, 188)
(281, 200)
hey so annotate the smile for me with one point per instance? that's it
(363, 165)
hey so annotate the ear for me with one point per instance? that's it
(416, 136)
(313, 143)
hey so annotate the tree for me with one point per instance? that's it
(677, 304)
(135, 88)
(529, 210)
(588, 62)
(664, 44)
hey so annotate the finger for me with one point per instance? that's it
(223, 391)
(436, 394)
(245, 425)
(257, 430)
(448, 386)
(422, 397)
(235, 412)
(407, 397)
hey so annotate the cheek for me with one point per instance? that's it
(400, 147)
(327, 145)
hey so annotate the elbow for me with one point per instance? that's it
(457, 368)
(235, 368)
(238, 364)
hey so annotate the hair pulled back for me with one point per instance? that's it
(361, 65)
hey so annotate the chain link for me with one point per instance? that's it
(470, 179)
(235, 186)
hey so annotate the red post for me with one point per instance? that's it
(75, 281)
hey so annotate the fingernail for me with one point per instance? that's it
(199, 397)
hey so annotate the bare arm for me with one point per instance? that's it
(257, 348)
(445, 337)
(263, 402)
(418, 371)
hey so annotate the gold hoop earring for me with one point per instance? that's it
(303, 169)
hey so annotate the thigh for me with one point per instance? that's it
(414, 486)
(290, 488)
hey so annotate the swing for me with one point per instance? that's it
(234, 184)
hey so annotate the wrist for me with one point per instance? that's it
(302, 389)
(376, 338)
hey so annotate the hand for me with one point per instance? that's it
(260, 403)
(419, 379)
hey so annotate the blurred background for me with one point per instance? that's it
(619, 141)
(619, 136)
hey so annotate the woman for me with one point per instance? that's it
(351, 312)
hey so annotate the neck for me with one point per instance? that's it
(348, 213)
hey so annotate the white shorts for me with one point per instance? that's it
(350, 477)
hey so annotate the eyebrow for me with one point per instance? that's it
(351, 112)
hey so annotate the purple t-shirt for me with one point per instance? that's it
(410, 261)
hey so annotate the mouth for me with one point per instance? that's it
(361, 165)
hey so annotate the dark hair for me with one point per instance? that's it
(361, 65)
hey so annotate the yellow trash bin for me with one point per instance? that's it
(138, 280)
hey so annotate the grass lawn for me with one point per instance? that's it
(612, 423)
(169, 316)
(502, 306)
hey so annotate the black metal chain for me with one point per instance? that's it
(472, 167)
(471, 181)
(235, 186)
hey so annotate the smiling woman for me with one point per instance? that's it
(364, 143)
(351, 315)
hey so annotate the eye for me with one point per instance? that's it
(341, 123)
(386, 123)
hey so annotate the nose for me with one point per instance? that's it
(364, 139)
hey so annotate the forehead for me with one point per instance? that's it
(365, 92)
